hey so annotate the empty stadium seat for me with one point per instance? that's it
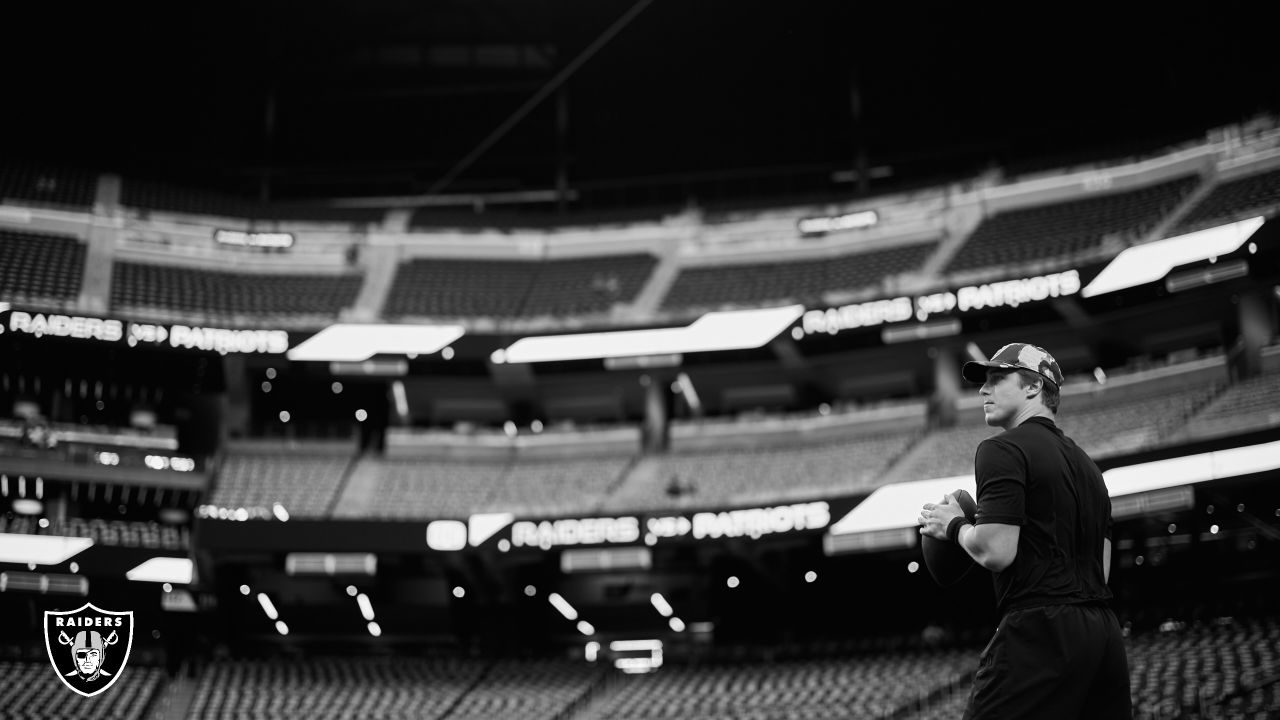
(1061, 231)
(30, 690)
(1190, 668)
(527, 689)
(47, 185)
(304, 481)
(1234, 200)
(223, 294)
(510, 288)
(802, 280)
(1104, 427)
(418, 488)
(871, 686)
(1252, 404)
(761, 474)
(38, 267)
(331, 688)
(123, 533)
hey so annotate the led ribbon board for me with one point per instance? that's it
(737, 330)
(970, 298)
(110, 330)
(345, 342)
(1142, 264)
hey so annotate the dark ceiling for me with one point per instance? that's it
(710, 98)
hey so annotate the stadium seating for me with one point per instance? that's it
(799, 280)
(36, 267)
(873, 686)
(1186, 669)
(1135, 411)
(525, 689)
(510, 288)
(553, 486)
(30, 690)
(47, 185)
(1234, 200)
(225, 294)
(1253, 404)
(1103, 427)
(416, 488)
(761, 474)
(1060, 231)
(945, 452)
(122, 533)
(331, 688)
(304, 480)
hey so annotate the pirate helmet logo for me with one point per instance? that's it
(88, 647)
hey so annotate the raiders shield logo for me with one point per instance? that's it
(88, 646)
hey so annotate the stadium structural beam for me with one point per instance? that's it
(536, 99)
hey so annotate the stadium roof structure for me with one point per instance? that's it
(639, 101)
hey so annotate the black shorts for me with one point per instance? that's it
(1057, 661)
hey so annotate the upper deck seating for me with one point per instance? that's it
(24, 183)
(798, 280)
(1234, 200)
(303, 481)
(1063, 230)
(439, 287)
(39, 267)
(224, 294)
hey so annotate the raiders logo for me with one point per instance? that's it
(88, 647)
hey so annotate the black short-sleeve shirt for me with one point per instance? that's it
(1036, 477)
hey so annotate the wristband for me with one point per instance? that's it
(953, 528)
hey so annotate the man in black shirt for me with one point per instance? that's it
(1043, 527)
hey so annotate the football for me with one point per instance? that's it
(948, 563)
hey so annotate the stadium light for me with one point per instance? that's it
(586, 628)
(344, 342)
(178, 571)
(366, 607)
(559, 603)
(714, 331)
(690, 392)
(40, 549)
(401, 399)
(375, 629)
(676, 624)
(282, 628)
(631, 645)
(661, 605)
(268, 607)
(1146, 263)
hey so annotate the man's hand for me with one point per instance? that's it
(934, 518)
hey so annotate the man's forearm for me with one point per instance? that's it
(991, 546)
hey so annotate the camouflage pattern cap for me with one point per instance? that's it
(1016, 356)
